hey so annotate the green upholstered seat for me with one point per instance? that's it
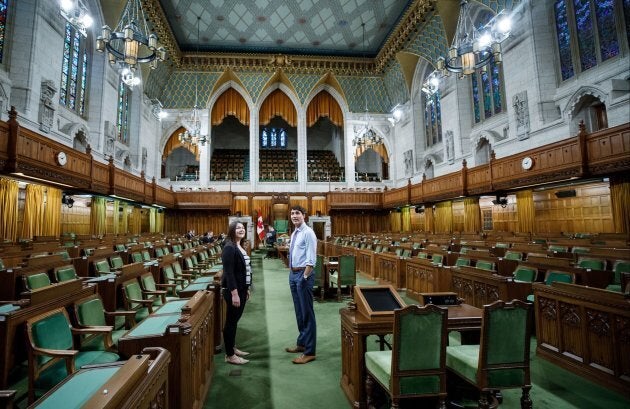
(175, 283)
(35, 281)
(525, 274)
(513, 255)
(553, 276)
(63, 253)
(593, 264)
(345, 276)
(378, 248)
(48, 333)
(116, 262)
(2, 267)
(134, 301)
(65, 273)
(502, 245)
(485, 265)
(436, 259)
(120, 247)
(101, 267)
(398, 252)
(619, 267)
(281, 226)
(151, 291)
(501, 360)
(318, 271)
(145, 255)
(422, 254)
(463, 250)
(580, 250)
(136, 257)
(406, 253)
(557, 248)
(415, 366)
(462, 261)
(90, 313)
(159, 252)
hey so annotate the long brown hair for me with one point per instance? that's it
(231, 234)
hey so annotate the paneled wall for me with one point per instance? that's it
(351, 222)
(200, 221)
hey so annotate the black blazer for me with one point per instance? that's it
(234, 269)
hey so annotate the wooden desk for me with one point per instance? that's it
(283, 253)
(480, 287)
(187, 333)
(141, 382)
(356, 327)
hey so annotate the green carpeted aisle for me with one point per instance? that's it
(272, 381)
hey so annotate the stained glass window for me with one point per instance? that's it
(3, 26)
(74, 70)
(122, 119)
(432, 118)
(273, 138)
(587, 33)
(487, 92)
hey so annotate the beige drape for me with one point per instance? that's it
(300, 201)
(136, 221)
(379, 148)
(472, 215)
(241, 204)
(444, 217)
(159, 222)
(124, 222)
(525, 211)
(324, 105)
(395, 221)
(620, 203)
(152, 220)
(174, 143)
(52, 213)
(278, 104)
(230, 103)
(116, 217)
(98, 216)
(262, 206)
(9, 190)
(33, 212)
(319, 205)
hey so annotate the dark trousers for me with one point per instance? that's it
(302, 293)
(232, 315)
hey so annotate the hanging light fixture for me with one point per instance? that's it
(131, 43)
(192, 135)
(76, 13)
(366, 136)
(471, 48)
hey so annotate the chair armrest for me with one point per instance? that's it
(167, 285)
(56, 353)
(155, 292)
(130, 317)
(143, 302)
(93, 329)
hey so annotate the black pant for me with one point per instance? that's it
(232, 315)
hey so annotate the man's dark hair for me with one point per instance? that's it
(299, 209)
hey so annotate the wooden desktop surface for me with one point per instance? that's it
(355, 328)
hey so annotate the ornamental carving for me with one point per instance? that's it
(548, 308)
(46, 105)
(598, 323)
(623, 330)
(569, 314)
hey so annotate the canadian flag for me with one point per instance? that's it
(260, 227)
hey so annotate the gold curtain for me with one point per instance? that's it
(395, 222)
(241, 204)
(406, 219)
(116, 217)
(525, 211)
(319, 205)
(9, 190)
(124, 223)
(262, 205)
(152, 220)
(378, 148)
(174, 143)
(277, 104)
(429, 219)
(98, 216)
(620, 203)
(324, 105)
(444, 217)
(230, 103)
(472, 215)
(33, 212)
(52, 213)
(300, 201)
(136, 221)
(159, 222)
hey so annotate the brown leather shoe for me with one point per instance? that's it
(295, 349)
(303, 359)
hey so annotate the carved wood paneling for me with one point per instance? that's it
(355, 200)
(204, 200)
(396, 197)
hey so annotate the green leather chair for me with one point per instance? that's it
(513, 255)
(172, 282)
(116, 262)
(64, 254)
(52, 354)
(462, 261)
(90, 314)
(415, 367)
(120, 247)
(580, 250)
(101, 267)
(501, 360)
(553, 276)
(65, 273)
(436, 258)
(525, 274)
(136, 257)
(345, 276)
(557, 248)
(151, 292)
(619, 267)
(591, 263)
(318, 271)
(485, 265)
(146, 256)
(2, 267)
(159, 252)
(35, 281)
(406, 253)
(134, 300)
(422, 254)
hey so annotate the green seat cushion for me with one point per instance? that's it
(88, 382)
(6, 308)
(154, 325)
(464, 360)
(57, 372)
(203, 280)
(614, 287)
(379, 364)
(36, 281)
(485, 265)
(196, 287)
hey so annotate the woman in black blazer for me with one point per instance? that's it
(235, 285)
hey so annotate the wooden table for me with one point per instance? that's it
(356, 327)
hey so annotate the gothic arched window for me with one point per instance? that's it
(264, 138)
(74, 70)
(3, 26)
(587, 33)
(432, 118)
(122, 117)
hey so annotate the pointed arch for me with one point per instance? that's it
(230, 102)
(173, 143)
(573, 102)
(324, 105)
(278, 103)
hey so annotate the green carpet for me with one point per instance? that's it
(272, 381)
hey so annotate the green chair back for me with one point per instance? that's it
(159, 252)
(557, 248)
(52, 332)
(102, 267)
(559, 276)
(580, 250)
(502, 245)
(136, 257)
(513, 255)
(148, 282)
(593, 264)
(116, 262)
(281, 226)
(146, 256)
(64, 254)
(422, 254)
(177, 268)
(120, 247)
(436, 258)
(620, 266)
(485, 265)
(463, 250)
(347, 270)
(35, 281)
(88, 251)
(525, 274)
(65, 273)
(462, 261)
(90, 312)
(399, 252)
(1, 265)
(378, 248)
(406, 253)
(133, 292)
